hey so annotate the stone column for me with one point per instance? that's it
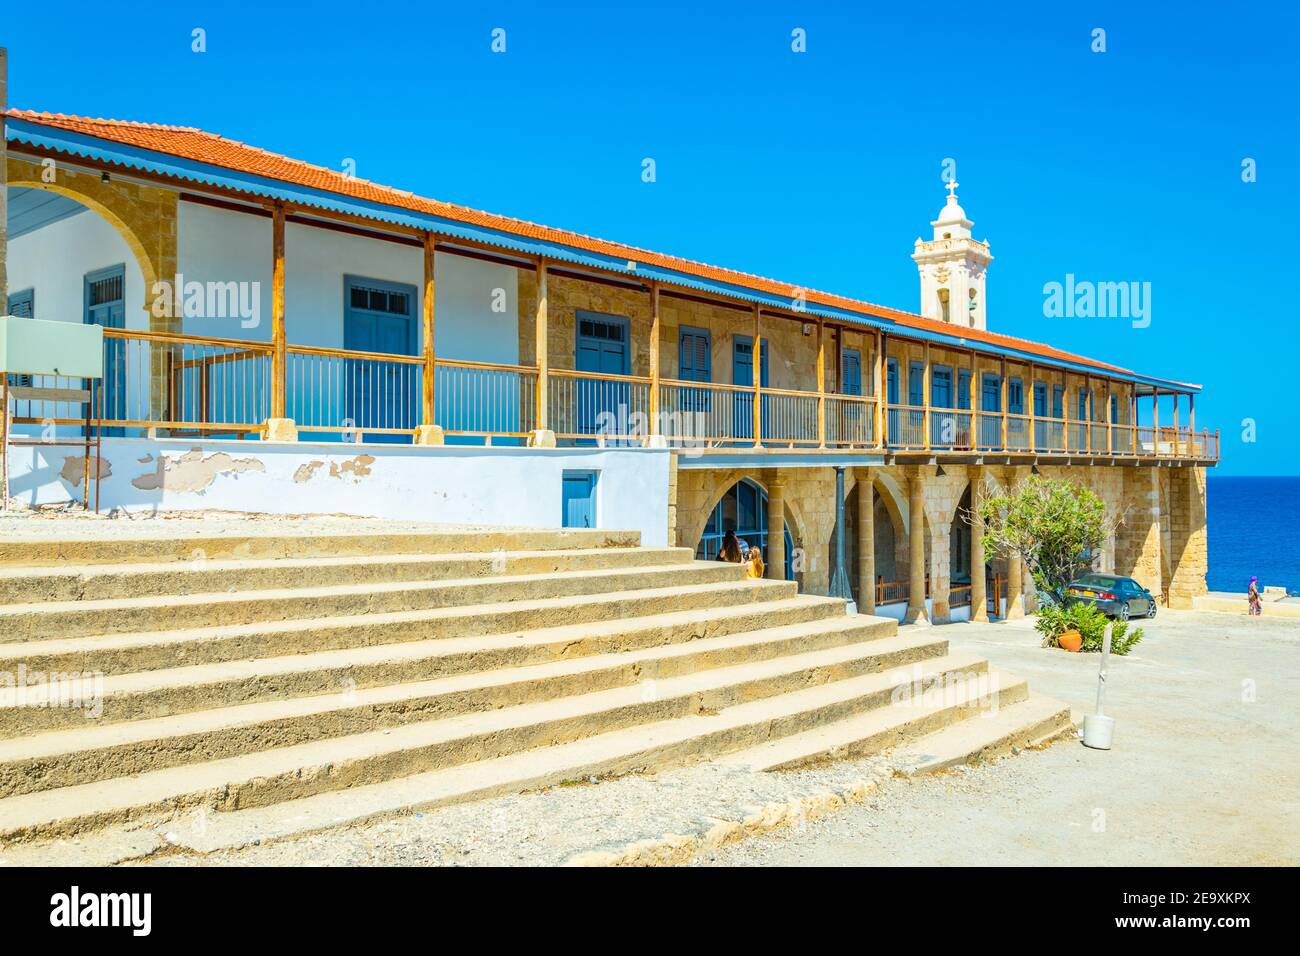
(776, 529)
(916, 613)
(866, 542)
(940, 572)
(1015, 587)
(979, 610)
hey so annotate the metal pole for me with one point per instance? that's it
(839, 578)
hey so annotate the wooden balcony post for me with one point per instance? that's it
(1133, 416)
(1110, 425)
(1004, 403)
(882, 390)
(278, 426)
(1155, 422)
(821, 383)
(974, 407)
(428, 432)
(1191, 415)
(543, 436)
(655, 333)
(1087, 417)
(1175, 447)
(758, 379)
(1032, 401)
(925, 394)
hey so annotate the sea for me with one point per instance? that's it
(1254, 528)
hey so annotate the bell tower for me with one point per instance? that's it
(953, 265)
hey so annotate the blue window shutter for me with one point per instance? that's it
(963, 389)
(916, 384)
(1015, 397)
(1058, 401)
(992, 394)
(23, 304)
(851, 373)
(941, 387)
(694, 356)
(891, 382)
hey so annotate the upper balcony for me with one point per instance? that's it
(171, 384)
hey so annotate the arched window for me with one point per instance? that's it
(743, 509)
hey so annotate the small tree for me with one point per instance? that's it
(1054, 526)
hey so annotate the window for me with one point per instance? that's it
(694, 355)
(891, 381)
(380, 300)
(1114, 409)
(963, 388)
(1058, 401)
(941, 387)
(1040, 399)
(991, 393)
(851, 372)
(916, 384)
(1015, 397)
(1083, 404)
(23, 305)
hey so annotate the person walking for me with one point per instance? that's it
(1254, 606)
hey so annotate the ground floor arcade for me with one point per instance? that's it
(934, 568)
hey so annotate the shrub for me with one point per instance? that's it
(1054, 621)
(1054, 526)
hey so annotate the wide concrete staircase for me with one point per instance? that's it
(280, 684)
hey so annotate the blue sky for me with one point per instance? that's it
(819, 168)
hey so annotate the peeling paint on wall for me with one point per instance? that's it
(74, 467)
(192, 472)
(358, 467)
(306, 471)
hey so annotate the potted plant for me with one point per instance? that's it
(1081, 627)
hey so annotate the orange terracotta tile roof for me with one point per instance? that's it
(200, 146)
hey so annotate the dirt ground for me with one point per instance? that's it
(1205, 767)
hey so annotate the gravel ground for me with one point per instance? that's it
(551, 827)
(1205, 768)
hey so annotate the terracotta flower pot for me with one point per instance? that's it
(1071, 641)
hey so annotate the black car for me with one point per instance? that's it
(1112, 595)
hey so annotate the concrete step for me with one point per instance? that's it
(97, 582)
(157, 693)
(929, 705)
(129, 653)
(689, 717)
(307, 541)
(60, 619)
(1030, 723)
(87, 753)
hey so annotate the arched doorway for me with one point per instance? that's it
(742, 509)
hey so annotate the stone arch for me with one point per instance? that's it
(144, 216)
(718, 484)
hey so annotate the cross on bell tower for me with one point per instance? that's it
(952, 267)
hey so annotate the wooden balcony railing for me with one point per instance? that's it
(196, 384)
